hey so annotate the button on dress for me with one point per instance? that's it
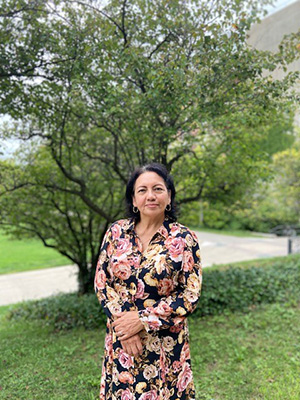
(163, 284)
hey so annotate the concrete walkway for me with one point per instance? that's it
(223, 249)
(37, 284)
(215, 249)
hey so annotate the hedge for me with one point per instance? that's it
(232, 288)
(63, 311)
(241, 288)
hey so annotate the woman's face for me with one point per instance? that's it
(151, 195)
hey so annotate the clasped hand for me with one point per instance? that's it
(127, 325)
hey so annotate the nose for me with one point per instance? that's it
(151, 195)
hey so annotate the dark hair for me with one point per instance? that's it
(160, 170)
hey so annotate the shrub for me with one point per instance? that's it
(64, 311)
(238, 288)
(230, 288)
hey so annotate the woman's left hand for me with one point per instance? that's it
(127, 324)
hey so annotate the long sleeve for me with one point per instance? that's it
(169, 312)
(103, 284)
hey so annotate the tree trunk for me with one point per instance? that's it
(85, 278)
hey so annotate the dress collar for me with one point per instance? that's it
(163, 230)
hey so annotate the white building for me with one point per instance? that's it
(268, 34)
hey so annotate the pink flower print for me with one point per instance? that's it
(151, 395)
(178, 324)
(163, 364)
(121, 270)
(165, 287)
(140, 289)
(116, 231)
(174, 230)
(108, 342)
(188, 261)
(150, 319)
(109, 346)
(126, 395)
(163, 231)
(185, 352)
(184, 378)
(153, 322)
(165, 394)
(100, 279)
(126, 377)
(123, 246)
(176, 366)
(109, 249)
(135, 262)
(163, 309)
(175, 247)
(125, 359)
(102, 383)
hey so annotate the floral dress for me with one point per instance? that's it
(163, 284)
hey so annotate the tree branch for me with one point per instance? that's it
(166, 39)
(13, 13)
(196, 197)
(123, 23)
(32, 69)
(170, 163)
(101, 13)
(35, 231)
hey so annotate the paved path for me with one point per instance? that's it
(223, 249)
(215, 249)
(37, 284)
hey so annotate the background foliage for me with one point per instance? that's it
(93, 91)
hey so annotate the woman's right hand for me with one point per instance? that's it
(133, 345)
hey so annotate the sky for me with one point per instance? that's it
(278, 5)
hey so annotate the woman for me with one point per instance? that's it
(148, 280)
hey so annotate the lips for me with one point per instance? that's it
(151, 205)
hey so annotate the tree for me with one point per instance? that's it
(287, 184)
(276, 202)
(273, 201)
(279, 136)
(60, 221)
(258, 208)
(99, 90)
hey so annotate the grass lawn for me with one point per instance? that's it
(227, 232)
(257, 263)
(26, 255)
(255, 356)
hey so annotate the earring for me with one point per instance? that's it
(169, 207)
(135, 209)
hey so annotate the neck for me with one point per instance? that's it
(149, 224)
